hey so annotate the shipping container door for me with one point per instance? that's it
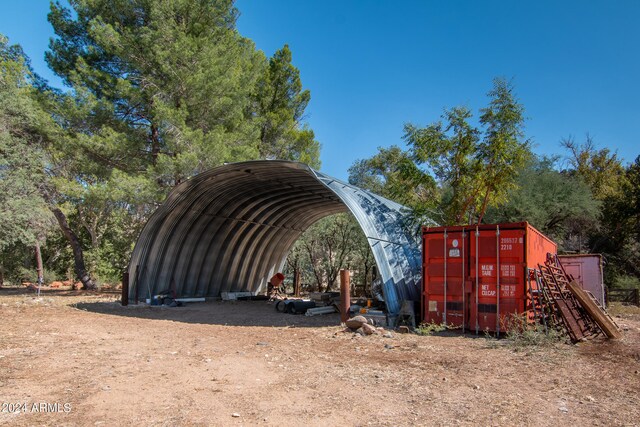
(586, 269)
(445, 266)
(498, 271)
(574, 269)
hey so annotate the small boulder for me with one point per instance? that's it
(356, 322)
(368, 329)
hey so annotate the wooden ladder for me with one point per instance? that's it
(568, 310)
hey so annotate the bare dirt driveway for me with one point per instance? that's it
(73, 358)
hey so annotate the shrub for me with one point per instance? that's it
(522, 333)
(431, 328)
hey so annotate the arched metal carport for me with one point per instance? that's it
(231, 228)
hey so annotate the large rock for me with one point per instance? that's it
(356, 322)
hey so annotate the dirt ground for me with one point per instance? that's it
(72, 358)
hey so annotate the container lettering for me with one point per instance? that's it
(486, 292)
(487, 270)
(507, 270)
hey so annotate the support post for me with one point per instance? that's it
(137, 284)
(345, 294)
(296, 283)
(125, 288)
(39, 266)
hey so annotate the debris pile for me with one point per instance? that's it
(294, 306)
(560, 302)
(361, 325)
(319, 303)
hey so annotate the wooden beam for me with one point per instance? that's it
(597, 314)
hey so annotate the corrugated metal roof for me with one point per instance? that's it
(231, 228)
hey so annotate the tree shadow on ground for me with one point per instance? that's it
(54, 292)
(227, 313)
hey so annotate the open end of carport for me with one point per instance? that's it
(231, 228)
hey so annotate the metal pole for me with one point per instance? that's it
(540, 291)
(498, 280)
(527, 278)
(125, 288)
(137, 283)
(345, 297)
(444, 312)
(39, 266)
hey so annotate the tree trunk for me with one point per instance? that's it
(155, 144)
(365, 281)
(1, 276)
(39, 267)
(296, 282)
(485, 202)
(78, 255)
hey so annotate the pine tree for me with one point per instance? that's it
(281, 105)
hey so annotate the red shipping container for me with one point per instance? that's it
(487, 281)
(445, 257)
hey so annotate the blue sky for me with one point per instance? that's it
(372, 66)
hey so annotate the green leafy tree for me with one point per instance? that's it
(393, 174)
(450, 163)
(362, 262)
(25, 217)
(615, 235)
(558, 204)
(449, 150)
(632, 190)
(629, 206)
(328, 246)
(503, 150)
(601, 169)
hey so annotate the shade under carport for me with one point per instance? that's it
(231, 228)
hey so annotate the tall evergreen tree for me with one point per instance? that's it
(281, 104)
(162, 90)
(172, 80)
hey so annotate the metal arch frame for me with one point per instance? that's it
(231, 228)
